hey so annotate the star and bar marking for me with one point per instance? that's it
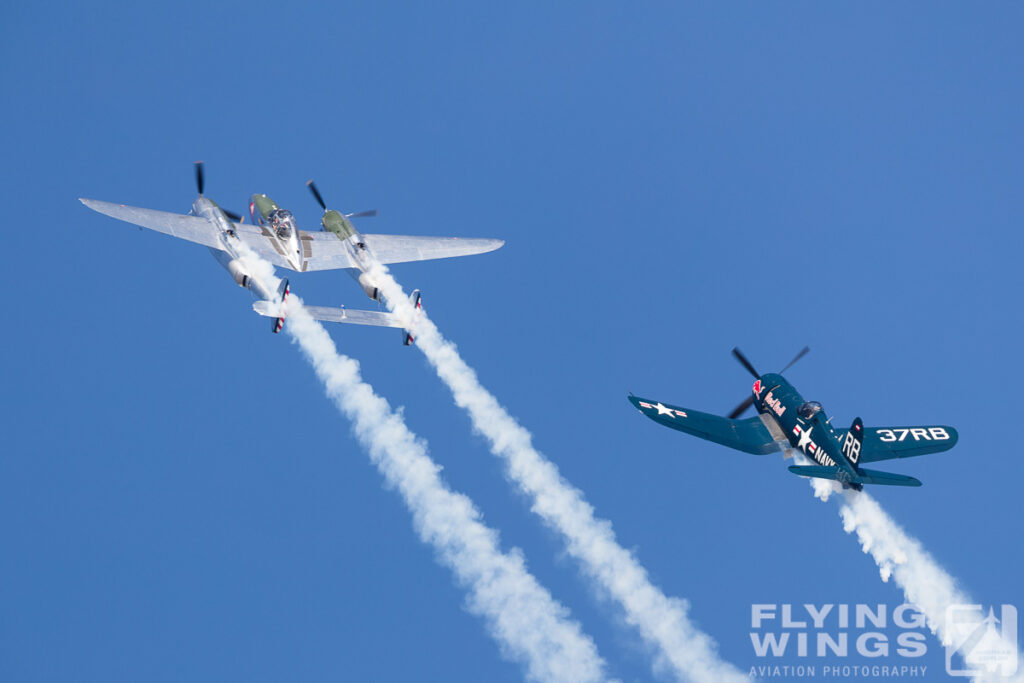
(663, 409)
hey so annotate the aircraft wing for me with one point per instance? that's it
(324, 251)
(749, 435)
(889, 443)
(191, 228)
(404, 248)
(320, 250)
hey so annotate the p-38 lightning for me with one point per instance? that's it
(362, 251)
(277, 239)
(788, 423)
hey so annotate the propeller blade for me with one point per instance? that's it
(744, 362)
(232, 215)
(742, 408)
(316, 193)
(199, 176)
(362, 214)
(798, 357)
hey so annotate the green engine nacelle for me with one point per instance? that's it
(334, 221)
(264, 204)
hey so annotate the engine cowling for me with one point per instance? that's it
(238, 272)
(369, 286)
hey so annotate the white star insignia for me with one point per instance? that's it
(805, 439)
(662, 410)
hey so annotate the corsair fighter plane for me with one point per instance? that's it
(787, 422)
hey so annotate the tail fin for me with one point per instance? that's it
(853, 441)
(283, 291)
(409, 336)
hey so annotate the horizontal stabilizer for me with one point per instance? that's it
(887, 478)
(819, 471)
(334, 315)
(863, 476)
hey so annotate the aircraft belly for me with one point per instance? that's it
(774, 429)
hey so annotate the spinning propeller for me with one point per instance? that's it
(320, 200)
(199, 177)
(201, 182)
(749, 401)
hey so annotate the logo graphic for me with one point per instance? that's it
(984, 648)
(775, 404)
(757, 388)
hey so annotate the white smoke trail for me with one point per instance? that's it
(681, 647)
(902, 558)
(529, 625)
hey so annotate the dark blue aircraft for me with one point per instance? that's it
(787, 422)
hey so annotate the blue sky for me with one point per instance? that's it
(179, 501)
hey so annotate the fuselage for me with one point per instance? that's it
(264, 210)
(804, 423)
(278, 225)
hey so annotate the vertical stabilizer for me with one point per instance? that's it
(409, 336)
(853, 441)
(283, 291)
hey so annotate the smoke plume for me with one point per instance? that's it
(682, 649)
(900, 557)
(529, 625)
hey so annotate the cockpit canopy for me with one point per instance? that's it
(283, 222)
(809, 409)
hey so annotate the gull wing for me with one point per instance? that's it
(750, 435)
(198, 230)
(404, 248)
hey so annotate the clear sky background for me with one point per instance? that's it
(178, 500)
